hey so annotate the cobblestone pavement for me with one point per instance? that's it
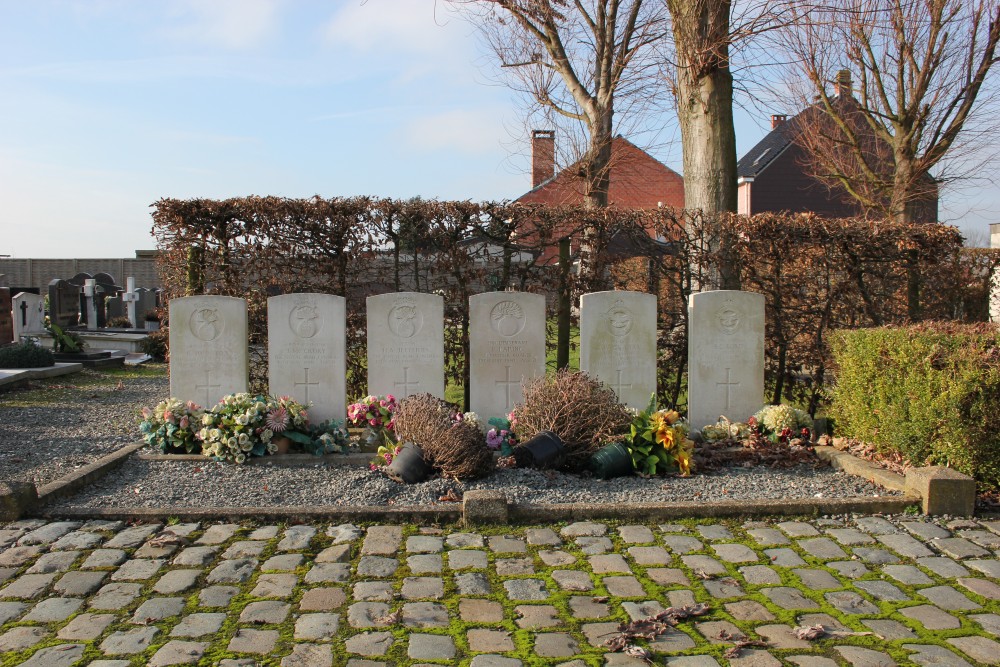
(901, 590)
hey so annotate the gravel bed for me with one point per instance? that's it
(44, 442)
(140, 483)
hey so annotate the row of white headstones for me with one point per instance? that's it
(306, 349)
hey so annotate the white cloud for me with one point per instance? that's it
(233, 24)
(397, 25)
(474, 132)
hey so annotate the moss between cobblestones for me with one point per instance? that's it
(523, 639)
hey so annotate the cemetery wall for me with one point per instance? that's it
(38, 273)
(816, 275)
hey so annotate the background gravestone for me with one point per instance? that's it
(6, 317)
(29, 314)
(64, 303)
(148, 301)
(80, 280)
(406, 344)
(618, 343)
(208, 348)
(306, 341)
(113, 307)
(725, 356)
(106, 287)
(506, 347)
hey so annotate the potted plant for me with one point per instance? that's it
(152, 319)
(658, 443)
(239, 426)
(376, 415)
(288, 421)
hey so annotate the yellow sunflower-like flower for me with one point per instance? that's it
(665, 436)
(683, 457)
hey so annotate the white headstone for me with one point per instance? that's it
(506, 347)
(995, 278)
(208, 348)
(406, 344)
(725, 356)
(29, 314)
(306, 339)
(90, 296)
(618, 343)
(130, 298)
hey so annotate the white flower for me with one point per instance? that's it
(266, 435)
(244, 438)
(271, 448)
(233, 441)
(240, 458)
(242, 420)
(246, 446)
(206, 419)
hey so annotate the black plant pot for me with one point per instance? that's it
(545, 450)
(408, 466)
(612, 460)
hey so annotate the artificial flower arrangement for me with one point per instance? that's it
(501, 436)
(782, 424)
(658, 442)
(243, 425)
(172, 426)
(377, 415)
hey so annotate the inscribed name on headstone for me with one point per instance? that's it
(64, 303)
(306, 339)
(506, 347)
(725, 356)
(208, 348)
(406, 344)
(618, 343)
(6, 317)
(29, 314)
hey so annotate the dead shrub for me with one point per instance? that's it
(580, 410)
(457, 449)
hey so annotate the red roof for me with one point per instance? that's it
(638, 180)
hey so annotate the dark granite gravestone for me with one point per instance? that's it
(114, 307)
(80, 280)
(148, 301)
(105, 287)
(64, 303)
(6, 317)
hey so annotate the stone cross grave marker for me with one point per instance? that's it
(129, 298)
(208, 348)
(618, 343)
(506, 347)
(725, 356)
(306, 341)
(406, 344)
(29, 314)
(64, 303)
(90, 296)
(6, 317)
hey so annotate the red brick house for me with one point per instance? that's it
(638, 180)
(773, 177)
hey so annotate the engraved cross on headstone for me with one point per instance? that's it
(306, 383)
(507, 382)
(24, 313)
(619, 385)
(728, 384)
(405, 383)
(208, 386)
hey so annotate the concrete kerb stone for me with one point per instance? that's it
(484, 507)
(942, 490)
(283, 461)
(852, 465)
(17, 499)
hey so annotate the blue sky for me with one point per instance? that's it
(110, 105)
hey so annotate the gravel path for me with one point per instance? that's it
(196, 484)
(43, 438)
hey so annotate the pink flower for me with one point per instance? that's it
(146, 412)
(373, 422)
(383, 403)
(372, 466)
(168, 416)
(184, 422)
(388, 457)
(390, 398)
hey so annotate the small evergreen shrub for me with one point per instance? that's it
(25, 355)
(928, 392)
(156, 344)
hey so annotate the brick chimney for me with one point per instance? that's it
(543, 156)
(777, 119)
(845, 87)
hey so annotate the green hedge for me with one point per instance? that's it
(25, 355)
(930, 392)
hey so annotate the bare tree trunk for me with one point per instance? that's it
(704, 92)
